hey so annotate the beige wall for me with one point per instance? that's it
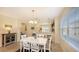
(28, 26)
(16, 26)
(58, 38)
(29, 30)
(9, 21)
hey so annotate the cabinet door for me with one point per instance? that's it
(7, 39)
(13, 37)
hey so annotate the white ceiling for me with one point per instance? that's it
(25, 13)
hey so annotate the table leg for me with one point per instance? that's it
(44, 48)
(49, 47)
(23, 49)
(20, 46)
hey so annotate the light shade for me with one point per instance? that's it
(31, 22)
(35, 22)
(8, 27)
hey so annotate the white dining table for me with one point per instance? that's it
(38, 40)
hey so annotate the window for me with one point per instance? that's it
(46, 28)
(70, 27)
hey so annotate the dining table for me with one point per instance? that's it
(39, 40)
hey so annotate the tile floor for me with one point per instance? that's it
(14, 47)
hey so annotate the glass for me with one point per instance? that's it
(70, 23)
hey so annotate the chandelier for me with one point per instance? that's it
(33, 20)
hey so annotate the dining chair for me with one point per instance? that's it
(40, 35)
(48, 45)
(23, 36)
(34, 47)
(26, 46)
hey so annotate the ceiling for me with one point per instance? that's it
(25, 13)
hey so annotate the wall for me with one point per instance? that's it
(16, 26)
(58, 39)
(28, 27)
(29, 30)
(10, 21)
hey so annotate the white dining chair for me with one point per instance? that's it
(40, 35)
(48, 45)
(23, 36)
(34, 47)
(26, 46)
